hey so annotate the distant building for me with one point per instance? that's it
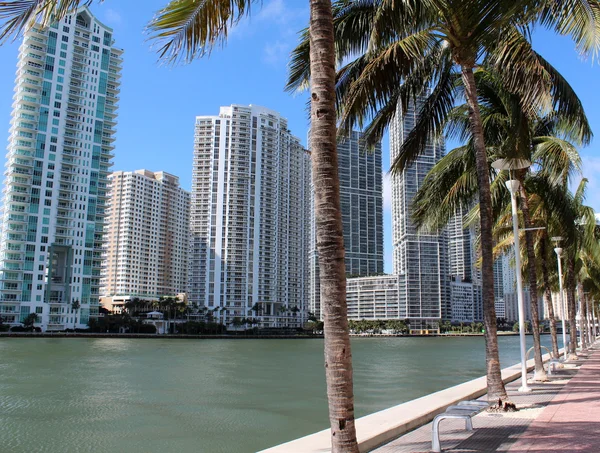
(250, 221)
(375, 298)
(361, 197)
(60, 150)
(512, 307)
(463, 297)
(421, 258)
(147, 232)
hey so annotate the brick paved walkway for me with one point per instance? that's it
(571, 421)
(562, 415)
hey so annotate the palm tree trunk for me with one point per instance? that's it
(548, 297)
(540, 373)
(583, 316)
(572, 307)
(330, 236)
(495, 386)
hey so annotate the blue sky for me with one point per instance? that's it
(158, 103)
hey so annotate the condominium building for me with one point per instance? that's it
(421, 257)
(147, 235)
(375, 297)
(464, 299)
(460, 250)
(361, 198)
(59, 153)
(249, 217)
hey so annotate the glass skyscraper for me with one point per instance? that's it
(59, 153)
(361, 199)
(421, 258)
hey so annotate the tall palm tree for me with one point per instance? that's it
(400, 49)
(509, 130)
(583, 243)
(187, 29)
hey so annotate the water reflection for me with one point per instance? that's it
(153, 395)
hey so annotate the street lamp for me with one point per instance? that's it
(558, 250)
(513, 187)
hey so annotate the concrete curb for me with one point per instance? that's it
(381, 427)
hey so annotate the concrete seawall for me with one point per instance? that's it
(381, 427)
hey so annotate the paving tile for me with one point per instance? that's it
(562, 415)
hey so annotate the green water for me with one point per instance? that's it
(213, 396)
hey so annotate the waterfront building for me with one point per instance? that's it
(375, 297)
(361, 197)
(460, 250)
(558, 309)
(499, 288)
(249, 217)
(512, 307)
(421, 257)
(463, 297)
(147, 236)
(59, 153)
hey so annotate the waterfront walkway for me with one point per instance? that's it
(561, 415)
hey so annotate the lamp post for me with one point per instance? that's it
(558, 250)
(513, 187)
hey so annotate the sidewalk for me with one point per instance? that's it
(562, 415)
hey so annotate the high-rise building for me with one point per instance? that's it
(249, 217)
(361, 198)
(460, 241)
(59, 154)
(421, 257)
(147, 236)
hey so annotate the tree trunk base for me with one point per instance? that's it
(503, 406)
(540, 376)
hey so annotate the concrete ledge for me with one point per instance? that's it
(381, 427)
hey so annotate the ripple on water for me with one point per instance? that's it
(217, 396)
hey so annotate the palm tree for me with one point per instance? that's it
(510, 129)
(584, 243)
(401, 49)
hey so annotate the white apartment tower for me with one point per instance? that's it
(361, 199)
(59, 153)
(422, 258)
(147, 235)
(250, 221)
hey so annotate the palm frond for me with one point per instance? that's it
(188, 29)
(431, 118)
(579, 19)
(19, 15)
(449, 185)
(558, 159)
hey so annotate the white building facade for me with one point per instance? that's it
(147, 235)
(59, 153)
(374, 297)
(250, 221)
(361, 197)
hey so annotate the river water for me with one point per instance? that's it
(214, 396)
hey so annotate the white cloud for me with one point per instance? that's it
(281, 22)
(112, 17)
(276, 11)
(387, 192)
(276, 52)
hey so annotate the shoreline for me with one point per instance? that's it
(381, 427)
(230, 337)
